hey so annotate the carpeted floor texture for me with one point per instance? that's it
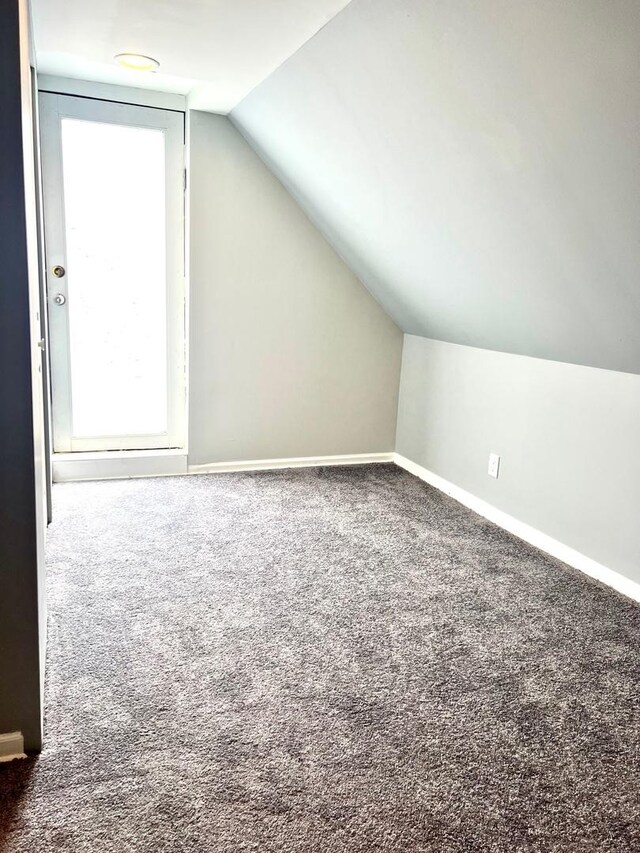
(330, 660)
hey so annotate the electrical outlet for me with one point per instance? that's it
(494, 465)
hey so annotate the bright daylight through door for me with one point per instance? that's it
(114, 260)
(115, 224)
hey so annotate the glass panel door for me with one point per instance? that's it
(114, 228)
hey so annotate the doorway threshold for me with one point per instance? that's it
(118, 464)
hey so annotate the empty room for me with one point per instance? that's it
(320, 426)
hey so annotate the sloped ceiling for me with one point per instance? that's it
(477, 164)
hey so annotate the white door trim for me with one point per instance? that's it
(53, 108)
(111, 92)
(118, 465)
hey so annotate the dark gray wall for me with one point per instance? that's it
(21, 509)
(476, 164)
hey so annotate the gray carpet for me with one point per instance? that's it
(322, 661)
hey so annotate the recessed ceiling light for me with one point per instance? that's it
(137, 61)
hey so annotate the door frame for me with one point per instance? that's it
(53, 108)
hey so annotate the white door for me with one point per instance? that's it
(114, 229)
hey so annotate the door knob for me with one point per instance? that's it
(58, 271)
(59, 298)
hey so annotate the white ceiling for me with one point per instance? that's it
(216, 51)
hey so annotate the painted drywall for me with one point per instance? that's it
(22, 487)
(476, 163)
(217, 51)
(568, 437)
(289, 355)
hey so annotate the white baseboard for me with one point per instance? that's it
(127, 464)
(524, 531)
(118, 465)
(294, 462)
(11, 746)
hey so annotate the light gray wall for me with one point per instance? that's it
(289, 354)
(568, 437)
(476, 163)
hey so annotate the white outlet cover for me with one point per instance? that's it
(494, 465)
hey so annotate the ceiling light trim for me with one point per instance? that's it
(137, 61)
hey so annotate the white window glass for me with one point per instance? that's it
(114, 197)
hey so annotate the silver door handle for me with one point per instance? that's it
(59, 298)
